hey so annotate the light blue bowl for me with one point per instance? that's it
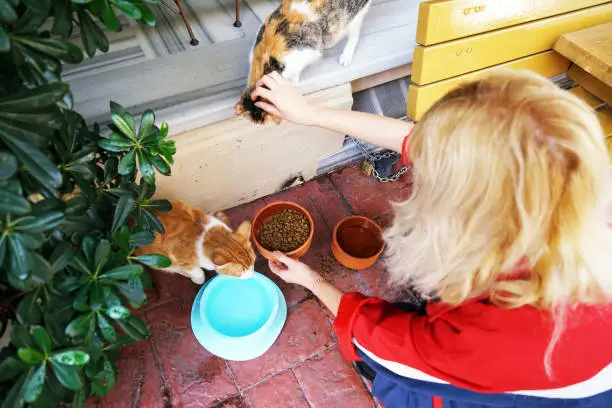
(238, 319)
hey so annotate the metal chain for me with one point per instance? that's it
(374, 157)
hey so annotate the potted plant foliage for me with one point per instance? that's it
(74, 204)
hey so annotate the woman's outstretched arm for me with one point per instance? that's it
(286, 102)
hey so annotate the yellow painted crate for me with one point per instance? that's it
(605, 119)
(590, 83)
(591, 100)
(420, 98)
(445, 20)
(609, 147)
(437, 62)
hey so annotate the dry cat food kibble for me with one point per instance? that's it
(285, 231)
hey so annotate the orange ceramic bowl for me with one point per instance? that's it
(357, 242)
(270, 210)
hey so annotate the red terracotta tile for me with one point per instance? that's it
(294, 294)
(366, 195)
(345, 279)
(282, 390)
(306, 332)
(169, 287)
(195, 378)
(377, 283)
(234, 402)
(329, 381)
(244, 212)
(139, 382)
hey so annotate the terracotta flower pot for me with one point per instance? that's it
(272, 209)
(357, 242)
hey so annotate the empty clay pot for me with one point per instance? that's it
(272, 209)
(357, 242)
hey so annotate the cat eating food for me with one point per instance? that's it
(294, 36)
(194, 240)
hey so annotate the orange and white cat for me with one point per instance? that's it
(194, 240)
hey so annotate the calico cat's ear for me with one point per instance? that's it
(244, 229)
(219, 259)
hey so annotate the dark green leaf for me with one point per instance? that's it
(116, 109)
(107, 330)
(31, 241)
(62, 18)
(108, 17)
(59, 49)
(71, 358)
(30, 356)
(3, 246)
(40, 6)
(7, 13)
(79, 325)
(124, 208)
(15, 396)
(110, 170)
(41, 223)
(88, 37)
(118, 312)
(127, 164)
(79, 262)
(28, 311)
(67, 375)
(35, 384)
(21, 260)
(39, 166)
(125, 123)
(78, 401)
(158, 205)
(163, 130)
(96, 296)
(104, 381)
(149, 221)
(139, 239)
(61, 256)
(11, 367)
(146, 169)
(122, 273)
(115, 142)
(13, 203)
(40, 97)
(42, 339)
(160, 164)
(80, 300)
(129, 9)
(102, 253)
(21, 337)
(154, 260)
(133, 291)
(8, 165)
(89, 249)
(134, 327)
(147, 15)
(5, 41)
(147, 124)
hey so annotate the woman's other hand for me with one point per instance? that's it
(282, 100)
(292, 271)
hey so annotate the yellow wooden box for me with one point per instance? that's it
(591, 100)
(420, 98)
(445, 20)
(590, 83)
(436, 62)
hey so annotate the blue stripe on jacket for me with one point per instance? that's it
(395, 391)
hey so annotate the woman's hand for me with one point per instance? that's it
(292, 271)
(283, 100)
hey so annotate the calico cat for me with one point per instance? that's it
(294, 36)
(194, 240)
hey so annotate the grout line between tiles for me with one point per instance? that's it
(301, 388)
(342, 198)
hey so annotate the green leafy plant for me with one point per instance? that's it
(75, 204)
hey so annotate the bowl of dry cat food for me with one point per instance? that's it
(283, 226)
(357, 242)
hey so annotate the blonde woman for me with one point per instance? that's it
(506, 230)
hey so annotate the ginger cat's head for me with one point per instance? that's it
(230, 252)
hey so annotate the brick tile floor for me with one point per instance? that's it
(304, 368)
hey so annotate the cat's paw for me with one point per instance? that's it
(346, 58)
(198, 279)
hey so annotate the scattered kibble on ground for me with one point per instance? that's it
(285, 231)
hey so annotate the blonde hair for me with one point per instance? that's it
(507, 168)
